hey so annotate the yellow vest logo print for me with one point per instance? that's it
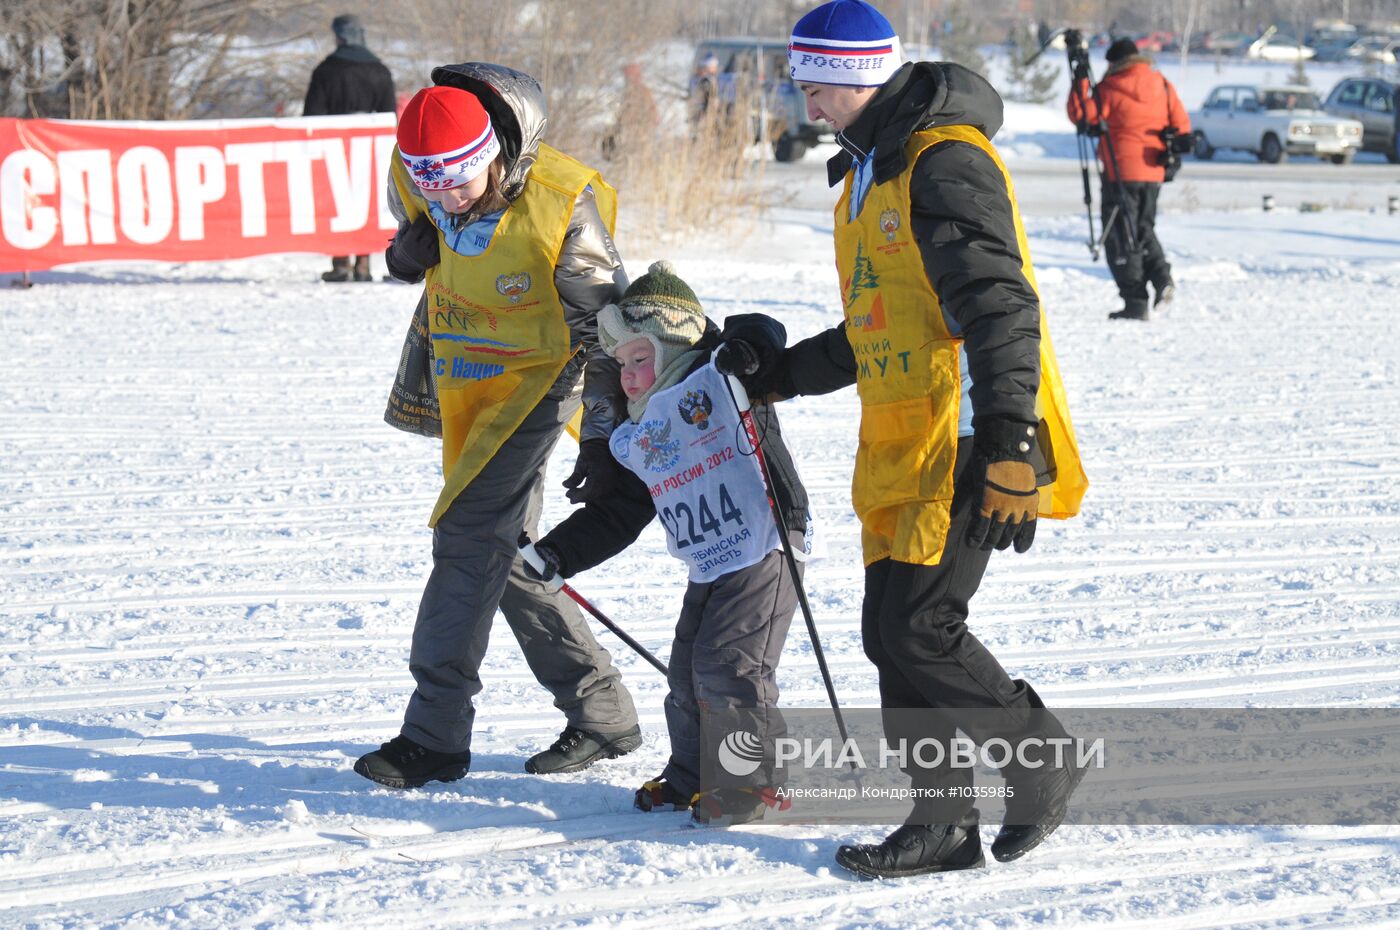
(889, 224)
(513, 286)
(863, 277)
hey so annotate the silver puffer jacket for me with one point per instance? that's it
(588, 277)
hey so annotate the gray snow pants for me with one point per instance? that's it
(728, 642)
(475, 569)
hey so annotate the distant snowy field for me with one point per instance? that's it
(211, 551)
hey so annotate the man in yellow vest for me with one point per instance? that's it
(965, 434)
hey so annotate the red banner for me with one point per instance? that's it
(73, 191)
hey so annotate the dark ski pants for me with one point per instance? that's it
(476, 568)
(728, 642)
(913, 626)
(1134, 270)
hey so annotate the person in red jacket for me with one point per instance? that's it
(1132, 105)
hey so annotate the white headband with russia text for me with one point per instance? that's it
(867, 63)
(453, 169)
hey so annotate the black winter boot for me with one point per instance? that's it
(1037, 809)
(340, 270)
(575, 750)
(915, 849)
(361, 271)
(402, 763)
(1165, 293)
(1132, 310)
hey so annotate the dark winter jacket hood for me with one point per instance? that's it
(515, 103)
(920, 95)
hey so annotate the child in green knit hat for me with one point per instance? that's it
(653, 332)
(685, 459)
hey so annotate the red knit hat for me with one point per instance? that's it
(446, 138)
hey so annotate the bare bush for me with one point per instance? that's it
(124, 59)
(614, 77)
(680, 176)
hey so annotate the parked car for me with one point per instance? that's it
(754, 74)
(1374, 102)
(1155, 42)
(1380, 49)
(1277, 47)
(1226, 43)
(1273, 123)
(1330, 31)
(1334, 49)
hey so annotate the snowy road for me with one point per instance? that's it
(1053, 186)
(211, 550)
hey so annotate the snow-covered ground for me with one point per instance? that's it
(211, 550)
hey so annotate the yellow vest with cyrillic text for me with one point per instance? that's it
(907, 373)
(496, 320)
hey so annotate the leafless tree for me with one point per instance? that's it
(124, 59)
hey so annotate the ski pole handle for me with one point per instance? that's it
(556, 583)
(544, 572)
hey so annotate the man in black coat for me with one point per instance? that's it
(942, 336)
(349, 80)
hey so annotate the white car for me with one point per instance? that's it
(1380, 49)
(1278, 48)
(1273, 123)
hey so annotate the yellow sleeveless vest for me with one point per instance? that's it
(496, 321)
(907, 374)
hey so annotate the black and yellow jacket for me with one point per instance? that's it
(964, 226)
(941, 311)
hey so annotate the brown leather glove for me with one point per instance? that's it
(1005, 499)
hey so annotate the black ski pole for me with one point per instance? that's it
(736, 391)
(529, 554)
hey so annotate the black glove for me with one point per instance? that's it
(751, 346)
(736, 357)
(414, 250)
(596, 466)
(1081, 71)
(1005, 499)
(551, 572)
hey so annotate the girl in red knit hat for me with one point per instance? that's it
(512, 240)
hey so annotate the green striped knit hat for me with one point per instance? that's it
(659, 306)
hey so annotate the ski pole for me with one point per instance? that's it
(532, 557)
(736, 391)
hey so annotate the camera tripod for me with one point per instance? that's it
(1087, 131)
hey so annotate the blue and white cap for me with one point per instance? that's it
(845, 42)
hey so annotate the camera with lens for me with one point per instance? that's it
(1078, 53)
(1175, 145)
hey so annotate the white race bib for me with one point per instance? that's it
(690, 450)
